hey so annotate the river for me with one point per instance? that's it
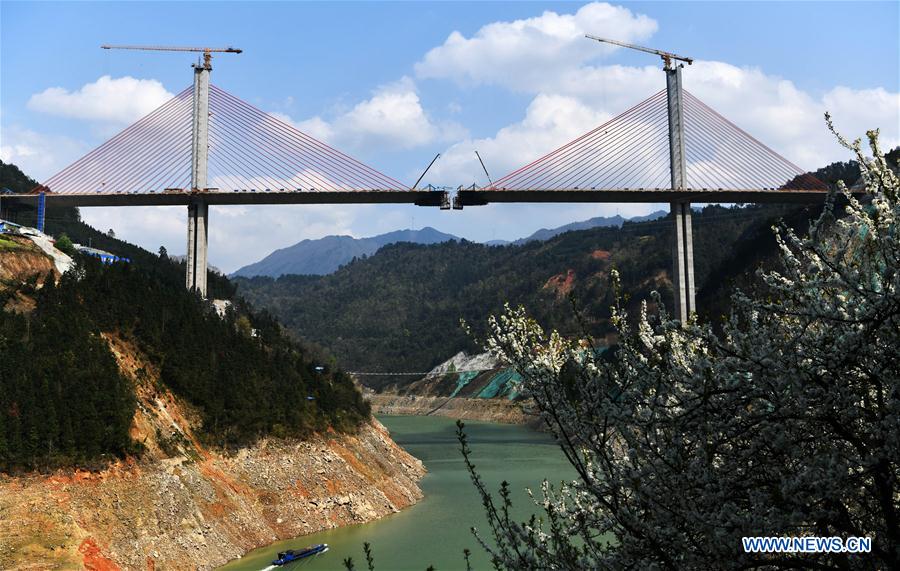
(436, 530)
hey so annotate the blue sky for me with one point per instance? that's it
(513, 81)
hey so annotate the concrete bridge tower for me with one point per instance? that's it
(198, 209)
(683, 245)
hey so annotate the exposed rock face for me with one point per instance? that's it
(183, 505)
(20, 259)
(26, 259)
(468, 387)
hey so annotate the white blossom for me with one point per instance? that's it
(786, 422)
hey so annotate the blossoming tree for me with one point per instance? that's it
(787, 423)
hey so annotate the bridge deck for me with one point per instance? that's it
(487, 196)
(428, 197)
(418, 197)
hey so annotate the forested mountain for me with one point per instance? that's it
(325, 255)
(596, 222)
(62, 398)
(399, 310)
(64, 401)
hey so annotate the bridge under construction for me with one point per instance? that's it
(207, 147)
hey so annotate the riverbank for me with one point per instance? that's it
(183, 505)
(202, 512)
(488, 410)
(437, 529)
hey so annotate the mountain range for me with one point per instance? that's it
(324, 256)
(596, 222)
(400, 309)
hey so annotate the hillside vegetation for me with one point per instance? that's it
(63, 400)
(399, 310)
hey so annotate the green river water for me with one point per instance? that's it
(436, 530)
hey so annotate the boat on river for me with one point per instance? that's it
(294, 555)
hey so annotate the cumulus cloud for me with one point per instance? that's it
(520, 53)
(780, 114)
(392, 118)
(548, 57)
(38, 155)
(110, 100)
(550, 121)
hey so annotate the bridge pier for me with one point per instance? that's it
(683, 261)
(197, 245)
(683, 247)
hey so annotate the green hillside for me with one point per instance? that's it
(399, 310)
(63, 400)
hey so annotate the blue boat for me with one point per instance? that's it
(291, 555)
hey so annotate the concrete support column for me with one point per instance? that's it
(198, 237)
(683, 249)
(683, 261)
(198, 210)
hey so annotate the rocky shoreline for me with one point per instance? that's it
(183, 505)
(201, 513)
(489, 410)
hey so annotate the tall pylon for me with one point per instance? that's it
(683, 239)
(683, 247)
(198, 209)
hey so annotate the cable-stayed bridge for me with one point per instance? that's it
(627, 159)
(251, 158)
(207, 147)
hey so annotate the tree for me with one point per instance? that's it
(64, 244)
(163, 253)
(787, 423)
(111, 233)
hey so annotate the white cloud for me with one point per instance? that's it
(392, 118)
(520, 53)
(550, 121)
(789, 119)
(37, 154)
(548, 57)
(110, 100)
(778, 113)
(238, 235)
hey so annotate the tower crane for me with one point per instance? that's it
(207, 52)
(198, 209)
(683, 251)
(667, 57)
